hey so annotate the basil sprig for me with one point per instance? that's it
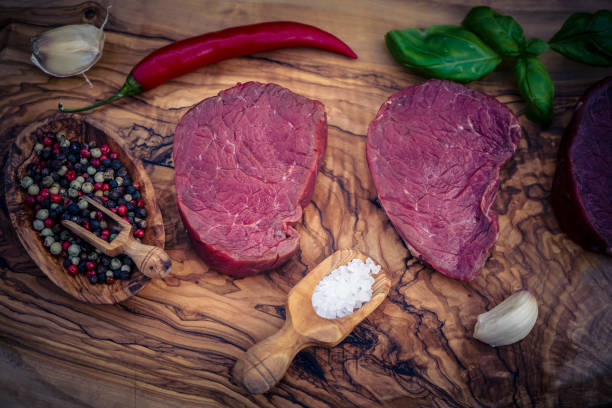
(502, 33)
(447, 52)
(469, 53)
(586, 38)
(536, 88)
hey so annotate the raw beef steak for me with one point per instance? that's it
(245, 166)
(582, 187)
(434, 152)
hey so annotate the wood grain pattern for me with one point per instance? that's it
(174, 344)
(22, 153)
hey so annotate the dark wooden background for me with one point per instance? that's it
(174, 344)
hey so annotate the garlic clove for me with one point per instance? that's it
(508, 322)
(68, 50)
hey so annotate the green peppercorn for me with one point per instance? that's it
(92, 215)
(115, 263)
(33, 189)
(127, 197)
(112, 237)
(84, 161)
(62, 170)
(74, 250)
(75, 184)
(99, 177)
(47, 181)
(64, 143)
(38, 225)
(65, 235)
(126, 268)
(42, 214)
(87, 187)
(55, 248)
(91, 170)
(54, 206)
(99, 193)
(38, 147)
(109, 174)
(103, 224)
(109, 273)
(61, 135)
(55, 189)
(83, 204)
(93, 256)
(26, 182)
(80, 179)
(49, 241)
(96, 153)
(72, 193)
(119, 180)
(75, 260)
(46, 232)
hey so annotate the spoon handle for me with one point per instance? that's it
(265, 363)
(152, 261)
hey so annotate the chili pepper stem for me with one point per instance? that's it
(130, 87)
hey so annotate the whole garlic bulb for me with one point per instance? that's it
(68, 50)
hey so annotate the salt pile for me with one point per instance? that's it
(345, 289)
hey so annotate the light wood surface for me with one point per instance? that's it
(78, 128)
(174, 343)
(263, 365)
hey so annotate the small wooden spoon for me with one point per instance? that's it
(265, 363)
(152, 261)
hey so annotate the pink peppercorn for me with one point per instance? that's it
(70, 175)
(30, 200)
(66, 245)
(73, 269)
(90, 265)
(105, 149)
(85, 153)
(95, 162)
(105, 187)
(49, 222)
(99, 216)
(56, 198)
(86, 225)
(121, 210)
(139, 233)
(47, 141)
(98, 186)
(112, 156)
(45, 193)
(91, 272)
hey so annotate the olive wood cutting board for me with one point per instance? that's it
(174, 343)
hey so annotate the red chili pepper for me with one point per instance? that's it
(184, 56)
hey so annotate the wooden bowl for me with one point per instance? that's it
(81, 129)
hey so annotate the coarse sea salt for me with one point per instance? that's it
(345, 289)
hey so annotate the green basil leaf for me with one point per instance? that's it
(502, 33)
(536, 88)
(535, 47)
(447, 52)
(586, 38)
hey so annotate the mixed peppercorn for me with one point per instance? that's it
(61, 174)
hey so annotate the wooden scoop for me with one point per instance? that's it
(264, 364)
(152, 261)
